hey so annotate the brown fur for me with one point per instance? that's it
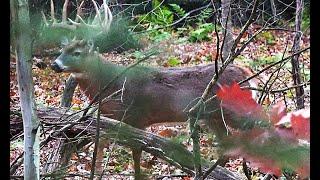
(163, 96)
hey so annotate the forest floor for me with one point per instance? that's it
(49, 86)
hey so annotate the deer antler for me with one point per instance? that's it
(99, 22)
(107, 15)
(52, 11)
(79, 11)
(105, 23)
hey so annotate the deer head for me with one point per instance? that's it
(74, 56)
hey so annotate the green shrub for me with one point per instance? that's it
(268, 37)
(265, 60)
(202, 33)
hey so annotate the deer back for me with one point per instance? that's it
(148, 95)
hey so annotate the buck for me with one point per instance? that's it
(149, 95)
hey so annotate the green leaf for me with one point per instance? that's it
(202, 33)
(173, 61)
(160, 36)
(180, 11)
(138, 54)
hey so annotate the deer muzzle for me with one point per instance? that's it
(58, 65)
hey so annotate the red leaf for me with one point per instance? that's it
(252, 144)
(286, 133)
(264, 164)
(277, 112)
(304, 171)
(301, 126)
(168, 132)
(240, 101)
(300, 123)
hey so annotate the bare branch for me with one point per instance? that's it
(273, 64)
(245, 27)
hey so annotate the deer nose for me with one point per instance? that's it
(54, 66)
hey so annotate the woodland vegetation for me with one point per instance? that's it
(56, 128)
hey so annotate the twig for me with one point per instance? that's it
(16, 163)
(172, 176)
(95, 151)
(268, 176)
(266, 88)
(218, 44)
(273, 64)
(277, 90)
(245, 169)
(246, 26)
(207, 173)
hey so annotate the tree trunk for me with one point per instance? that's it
(226, 26)
(22, 42)
(296, 75)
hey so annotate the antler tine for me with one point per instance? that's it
(63, 23)
(44, 19)
(64, 11)
(75, 22)
(104, 24)
(79, 11)
(52, 11)
(97, 11)
(82, 22)
(107, 16)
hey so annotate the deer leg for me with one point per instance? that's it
(136, 154)
(100, 154)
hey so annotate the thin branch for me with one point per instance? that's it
(207, 173)
(246, 26)
(265, 88)
(273, 64)
(218, 44)
(96, 145)
(277, 90)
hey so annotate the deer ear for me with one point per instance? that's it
(64, 41)
(91, 45)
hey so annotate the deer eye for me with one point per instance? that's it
(76, 53)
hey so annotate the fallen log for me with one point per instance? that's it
(174, 153)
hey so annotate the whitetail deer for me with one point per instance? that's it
(150, 95)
